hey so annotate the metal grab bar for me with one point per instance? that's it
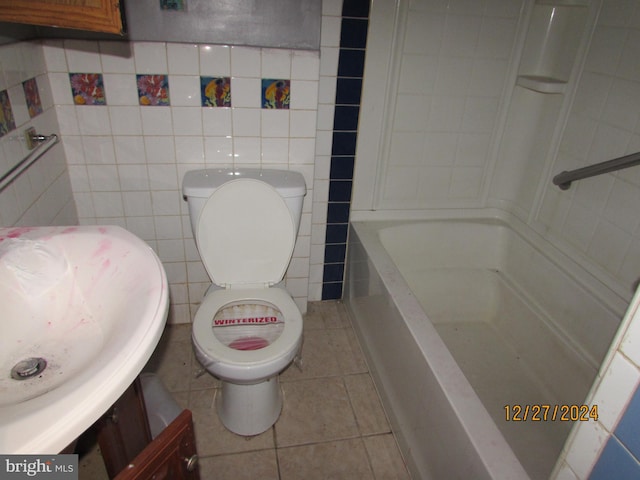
(44, 143)
(564, 179)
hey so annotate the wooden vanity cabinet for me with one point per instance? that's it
(128, 451)
(93, 15)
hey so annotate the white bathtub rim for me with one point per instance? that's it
(608, 291)
(476, 421)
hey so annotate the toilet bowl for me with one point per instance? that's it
(249, 330)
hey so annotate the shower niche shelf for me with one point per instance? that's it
(541, 84)
(551, 45)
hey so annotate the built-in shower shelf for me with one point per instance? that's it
(541, 84)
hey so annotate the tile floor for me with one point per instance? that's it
(332, 423)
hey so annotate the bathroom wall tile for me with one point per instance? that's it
(305, 66)
(245, 62)
(215, 60)
(150, 58)
(93, 120)
(276, 63)
(122, 89)
(156, 121)
(54, 55)
(216, 121)
(160, 149)
(274, 151)
(186, 120)
(246, 92)
(351, 63)
(218, 151)
(304, 95)
(125, 120)
(615, 462)
(183, 59)
(330, 31)
(353, 33)
(276, 93)
(215, 91)
(355, 8)
(627, 430)
(348, 91)
(342, 168)
(184, 90)
(246, 122)
(331, 290)
(153, 90)
(117, 57)
(82, 56)
(301, 151)
(274, 123)
(303, 123)
(7, 122)
(32, 97)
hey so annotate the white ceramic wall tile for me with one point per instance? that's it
(245, 62)
(274, 123)
(183, 59)
(117, 57)
(185, 90)
(215, 60)
(83, 56)
(150, 58)
(276, 63)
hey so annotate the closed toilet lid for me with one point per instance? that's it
(245, 234)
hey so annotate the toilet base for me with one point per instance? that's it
(249, 409)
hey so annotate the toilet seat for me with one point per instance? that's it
(245, 235)
(247, 365)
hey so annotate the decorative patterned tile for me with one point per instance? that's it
(215, 91)
(153, 90)
(32, 96)
(276, 93)
(7, 122)
(87, 89)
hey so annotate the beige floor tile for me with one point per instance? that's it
(319, 357)
(327, 407)
(385, 458)
(212, 438)
(261, 465)
(366, 405)
(172, 362)
(315, 411)
(338, 460)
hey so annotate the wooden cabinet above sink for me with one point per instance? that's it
(93, 15)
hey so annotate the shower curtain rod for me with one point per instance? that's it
(564, 179)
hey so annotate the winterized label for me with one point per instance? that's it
(222, 322)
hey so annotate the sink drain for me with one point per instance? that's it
(28, 368)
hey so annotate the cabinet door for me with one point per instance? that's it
(171, 455)
(94, 15)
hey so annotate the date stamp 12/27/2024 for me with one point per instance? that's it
(546, 413)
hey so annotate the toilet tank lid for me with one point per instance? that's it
(201, 183)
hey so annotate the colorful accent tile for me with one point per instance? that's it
(215, 91)
(32, 96)
(87, 89)
(153, 90)
(276, 93)
(175, 5)
(7, 122)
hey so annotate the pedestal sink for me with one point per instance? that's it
(82, 309)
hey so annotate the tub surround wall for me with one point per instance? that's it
(42, 194)
(595, 222)
(128, 155)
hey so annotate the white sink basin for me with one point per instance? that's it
(82, 309)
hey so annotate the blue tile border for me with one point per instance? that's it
(615, 462)
(351, 60)
(627, 429)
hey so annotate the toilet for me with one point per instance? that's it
(247, 329)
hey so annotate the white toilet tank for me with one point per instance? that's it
(198, 185)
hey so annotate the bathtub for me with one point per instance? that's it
(465, 321)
